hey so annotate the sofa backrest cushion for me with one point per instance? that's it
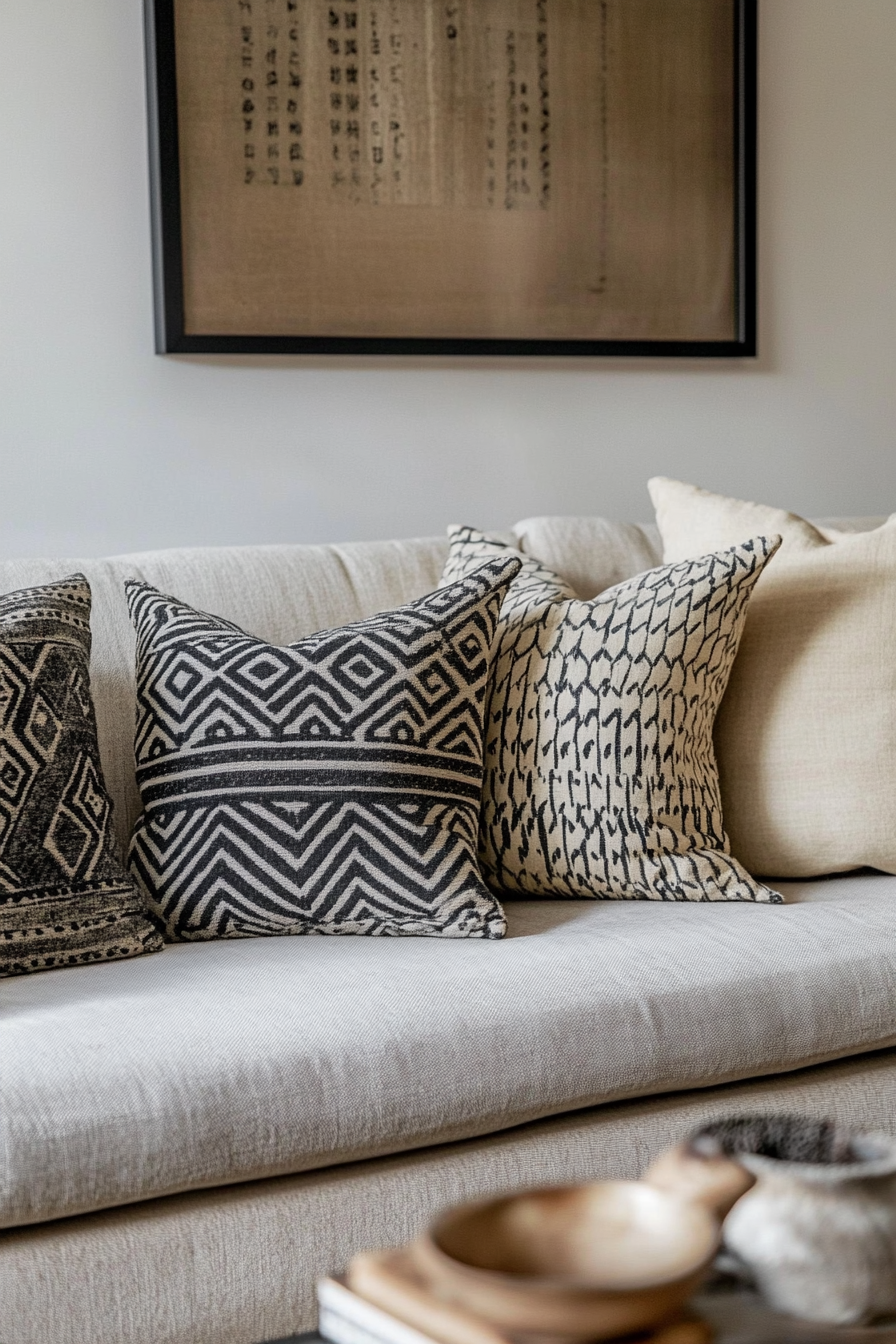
(592, 554)
(280, 593)
(283, 593)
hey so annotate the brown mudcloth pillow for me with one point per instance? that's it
(65, 898)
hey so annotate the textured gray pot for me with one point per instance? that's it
(817, 1232)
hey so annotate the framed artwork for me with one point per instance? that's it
(453, 176)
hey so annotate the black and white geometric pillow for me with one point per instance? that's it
(65, 899)
(600, 773)
(331, 786)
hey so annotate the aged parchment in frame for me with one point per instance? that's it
(571, 177)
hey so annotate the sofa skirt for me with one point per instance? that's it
(238, 1264)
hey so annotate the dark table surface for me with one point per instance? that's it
(740, 1317)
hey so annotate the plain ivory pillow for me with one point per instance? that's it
(806, 734)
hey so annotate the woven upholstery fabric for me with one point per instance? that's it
(234, 1060)
(592, 554)
(600, 774)
(64, 897)
(328, 786)
(280, 593)
(239, 1265)
(806, 734)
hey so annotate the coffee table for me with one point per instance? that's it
(738, 1316)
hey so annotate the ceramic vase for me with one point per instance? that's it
(817, 1231)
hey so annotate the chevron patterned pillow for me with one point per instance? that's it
(331, 786)
(65, 899)
(600, 777)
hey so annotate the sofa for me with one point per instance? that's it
(189, 1140)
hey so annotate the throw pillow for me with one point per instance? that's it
(65, 898)
(806, 735)
(330, 786)
(600, 775)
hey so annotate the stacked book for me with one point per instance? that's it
(346, 1318)
(384, 1300)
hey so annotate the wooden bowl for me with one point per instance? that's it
(585, 1262)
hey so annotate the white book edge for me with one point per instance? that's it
(338, 1330)
(346, 1318)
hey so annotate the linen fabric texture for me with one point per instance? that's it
(281, 593)
(240, 1059)
(65, 898)
(806, 733)
(152, 1271)
(328, 786)
(600, 776)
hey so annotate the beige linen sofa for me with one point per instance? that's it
(188, 1140)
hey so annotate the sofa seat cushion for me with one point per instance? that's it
(220, 1062)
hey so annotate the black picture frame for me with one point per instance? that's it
(171, 336)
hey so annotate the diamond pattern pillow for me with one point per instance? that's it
(331, 786)
(65, 898)
(600, 775)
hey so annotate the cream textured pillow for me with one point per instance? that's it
(806, 734)
(600, 778)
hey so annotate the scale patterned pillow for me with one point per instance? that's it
(331, 786)
(600, 775)
(65, 898)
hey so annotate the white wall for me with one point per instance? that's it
(104, 446)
